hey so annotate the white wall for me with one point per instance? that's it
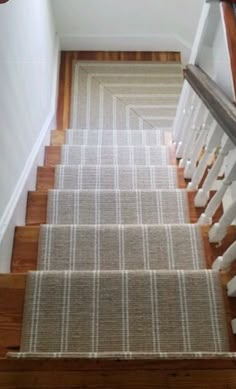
(127, 24)
(28, 60)
(213, 57)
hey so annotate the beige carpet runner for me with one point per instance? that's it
(117, 207)
(123, 313)
(125, 96)
(121, 271)
(118, 177)
(115, 155)
(115, 138)
(120, 247)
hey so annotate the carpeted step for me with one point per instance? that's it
(115, 138)
(126, 96)
(124, 314)
(115, 177)
(115, 155)
(117, 207)
(119, 247)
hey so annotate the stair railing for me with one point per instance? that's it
(205, 125)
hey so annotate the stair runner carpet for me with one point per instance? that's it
(115, 155)
(115, 138)
(120, 247)
(123, 313)
(115, 177)
(117, 207)
(120, 269)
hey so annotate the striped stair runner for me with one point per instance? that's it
(115, 155)
(97, 177)
(117, 207)
(115, 138)
(121, 271)
(125, 314)
(120, 247)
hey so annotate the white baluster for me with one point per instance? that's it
(233, 325)
(200, 170)
(225, 261)
(193, 113)
(191, 135)
(231, 287)
(219, 230)
(203, 193)
(178, 121)
(186, 122)
(206, 217)
(190, 163)
(191, 155)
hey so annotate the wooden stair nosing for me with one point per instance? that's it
(53, 155)
(25, 247)
(12, 291)
(46, 178)
(37, 208)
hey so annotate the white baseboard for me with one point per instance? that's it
(15, 211)
(150, 42)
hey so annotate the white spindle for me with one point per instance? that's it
(206, 217)
(191, 155)
(214, 141)
(189, 128)
(186, 119)
(233, 325)
(203, 193)
(231, 287)
(191, 135)
(178, 121)
(219, 230)
(225, 261)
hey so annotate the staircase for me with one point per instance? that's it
(121, 270)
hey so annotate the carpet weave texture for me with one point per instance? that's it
(115, 155)
(102, 177)
(120, 247)
(125, 96)
(115, 138)
(117, 207)
(123, 312)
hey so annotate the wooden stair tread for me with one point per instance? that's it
(53, 155)
(12, 290)
(37, 208)
(46, 178)
(25, 248)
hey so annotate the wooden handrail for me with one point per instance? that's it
(230, 28)
(221, 108)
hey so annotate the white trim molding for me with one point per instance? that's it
(16, 208)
